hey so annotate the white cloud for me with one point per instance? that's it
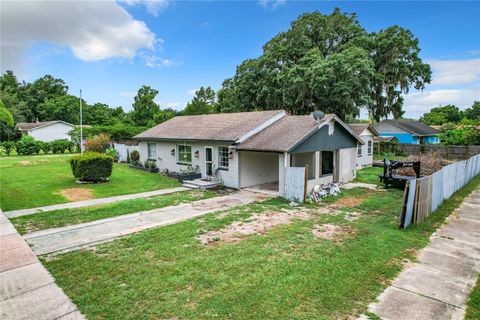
(417, 103)
(192, 92)
(455, 72)
(92, 30)
(174, 105)
(154, 61)
(271, 4)
(154, 7)
(128, 94)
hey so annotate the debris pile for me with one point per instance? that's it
(327, 189)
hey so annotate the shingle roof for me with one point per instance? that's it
(283, 134)
(358, 128)
(33, 125)
(416, 127)
(220, 127)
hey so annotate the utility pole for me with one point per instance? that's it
(81, 124)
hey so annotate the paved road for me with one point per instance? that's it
(86, 234)
(438, 286)
(27, 290)
(92, 202)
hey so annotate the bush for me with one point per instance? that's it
(151, 164)
(27, 146)
(135, 156)
(92, 166)
(61, 145)
(46, 147)
(8, 146)
(98, 143)
(112, 153)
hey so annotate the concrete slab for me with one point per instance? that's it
(44, 303)
(449, 265)
(455, 248)
(399, 304)
(7, 229)
(72, 316)
(24, 279)
(11, 241)
(435, 284)
(92, 202)
(17, 257)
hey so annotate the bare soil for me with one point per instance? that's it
(349, 202)
(25, 163)
(77, 194)
(258, 224)
(331, 231)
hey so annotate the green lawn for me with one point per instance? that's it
(369, 175)
(60, 218)
(285, 273)
(33, 181)
(473, 304)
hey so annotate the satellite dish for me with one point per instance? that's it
(317, 115)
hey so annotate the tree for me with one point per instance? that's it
(202, 103)
(65, 108)
(144, 107)
(41, 91)
(328, 62)
(442, 115)
(473, 113)
(397, 68)
(6, 123)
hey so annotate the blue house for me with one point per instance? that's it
(408, 131)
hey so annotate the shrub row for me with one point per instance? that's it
(27, 145)
(92, 166)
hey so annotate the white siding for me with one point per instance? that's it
(366, 160)
(52, 132)
(165, 159)
(258, 168)
(347, 158)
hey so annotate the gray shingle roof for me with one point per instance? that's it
(216, 127)
(283, 134)
(416, 127)
(358, 128)
(34, 125)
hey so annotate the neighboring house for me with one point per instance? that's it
(46, 131)
(253, 148)
(408, 131)
(366, 132)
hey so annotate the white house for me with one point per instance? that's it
(46, 131)
(252, 148)
(366, 132)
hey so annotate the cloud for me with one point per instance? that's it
(91, 30)
(128, 94)
(192, 92)
(154, 61)
(271, 4)
(455, 72)
(417, 103)
(154, 7)
(174, 105)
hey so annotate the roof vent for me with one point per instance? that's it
(317, 115)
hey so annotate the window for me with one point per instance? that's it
(359, 150)
(152, 151)
(327, 162)
(223, 158)
(370, 147)
(184, 154)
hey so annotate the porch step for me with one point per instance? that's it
(198, 183)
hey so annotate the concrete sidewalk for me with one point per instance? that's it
(438, 286)
(27, 290)
(92, 202)
(86, 234)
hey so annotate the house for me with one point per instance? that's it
(408, 131)
(253, 148)
(367, 133)
(46, 131)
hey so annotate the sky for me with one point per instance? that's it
(109, 49)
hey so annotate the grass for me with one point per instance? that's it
(60, 218)
(369, 175)
(33, 181)
(285, 273)
(473, 304)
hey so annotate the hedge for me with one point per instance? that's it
(91, 166)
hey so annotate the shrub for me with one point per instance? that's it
(27, 146)
(92, 166)
(8, 146)
(61, 145)
(98, 143)
(151, 164)
(45, 146)
(112, 153)
(135, 157)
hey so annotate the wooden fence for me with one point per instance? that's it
(295, 184)
(446, 152)
(424, 195)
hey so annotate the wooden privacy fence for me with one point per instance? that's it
(295, 184)
(424, 195)
(446, 152)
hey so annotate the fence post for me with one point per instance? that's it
(305, 185)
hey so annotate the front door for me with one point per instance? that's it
(208, 161)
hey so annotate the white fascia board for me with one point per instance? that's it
(261, 127)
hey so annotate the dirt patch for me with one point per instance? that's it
(352, 216)
(25, 163)
(331, 231)
(349, 202)
(76, 194)
(215, 204)
(257, 224)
